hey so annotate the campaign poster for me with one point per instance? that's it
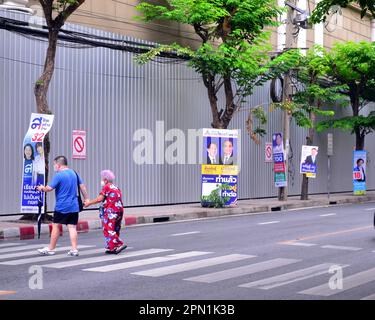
(359, 172)
(308, 164)
(220, 164)
(34, 161)
(278, 160)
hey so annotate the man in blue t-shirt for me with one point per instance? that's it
(66, 209)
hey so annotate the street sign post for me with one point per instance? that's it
(329, 154)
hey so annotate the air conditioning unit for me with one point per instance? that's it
(17, 5)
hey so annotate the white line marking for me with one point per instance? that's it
(9, 245)
(163, 271)
(24, 247)
(350, 282)
(104, 258)
(35, 252)
(301, 244)
(369, 209)
(269, 222)
(241, 271)
(371, 297)
(287, 278)
(48, 258)
(184, 234)
(341, 248)
(143, 262)
(328, 215)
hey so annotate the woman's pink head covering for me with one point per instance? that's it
(108, 174)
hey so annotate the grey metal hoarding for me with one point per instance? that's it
(105, 93)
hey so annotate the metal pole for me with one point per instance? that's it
(290, 42)
(329, 176)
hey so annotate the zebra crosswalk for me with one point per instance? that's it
(239, 270)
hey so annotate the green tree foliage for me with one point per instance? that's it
(353, 65)
(324, 7)
(314, 94)
(233, 51)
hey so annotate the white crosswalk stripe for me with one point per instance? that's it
(300, 244)
(27, 247)
(350, 282)
(287, 278)
(341, 248)
(371, 297)
(34, 252)
(163, 271)
(2, 245)
(241, 271)
(103, 258)
(143, 262)
(49, 258)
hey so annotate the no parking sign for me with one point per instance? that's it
(79, 144)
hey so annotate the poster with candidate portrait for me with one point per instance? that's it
(359, 172)
(308, 164)
(220, 165)
(33, 173)
(280, 178)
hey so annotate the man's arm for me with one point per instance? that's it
(44, 188)
(84, 191)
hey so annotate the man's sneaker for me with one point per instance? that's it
(46, 252)
(73, 253)
(120, 248)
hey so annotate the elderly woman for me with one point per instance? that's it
(111, 212)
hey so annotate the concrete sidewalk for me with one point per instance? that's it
(12, 228)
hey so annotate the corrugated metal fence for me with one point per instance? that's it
(105, 93)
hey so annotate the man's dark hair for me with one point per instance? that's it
(209, 145)
(61, 160)
(360, 159)
(228, 141)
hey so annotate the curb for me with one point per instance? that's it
(31, 232)
(84, 226)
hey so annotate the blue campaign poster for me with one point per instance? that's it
(359, 172)
(33, 173)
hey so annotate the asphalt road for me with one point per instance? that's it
(318, 253)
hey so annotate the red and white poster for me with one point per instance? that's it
(79, 144)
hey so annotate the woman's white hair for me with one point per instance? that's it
(108, 174)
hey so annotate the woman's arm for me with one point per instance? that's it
(98, 199)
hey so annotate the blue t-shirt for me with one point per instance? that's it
(65, 185)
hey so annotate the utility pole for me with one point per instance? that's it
(290, 43)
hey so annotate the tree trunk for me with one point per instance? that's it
(41, 91)
(229, 103)
(211, 92)
(359, 140)
(354, 100)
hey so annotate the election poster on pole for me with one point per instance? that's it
(280, 178)
(308, 164)
(220, 163)
(359, 172)
(33, 173)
